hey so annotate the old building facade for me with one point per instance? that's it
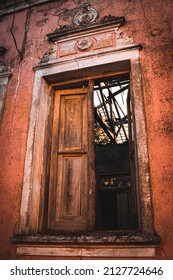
(86, 129)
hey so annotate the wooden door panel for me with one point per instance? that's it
(71, 189)
(72, 123)
(71, 186)
(68, 195)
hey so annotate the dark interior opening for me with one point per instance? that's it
(114, 155)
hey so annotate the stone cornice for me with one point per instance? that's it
(69, 31)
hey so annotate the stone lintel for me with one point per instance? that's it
(102, 52)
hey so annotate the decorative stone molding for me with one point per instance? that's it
(118, 33)
(123, 38)
(127, 40)
(68, 30)
(87, 14)
(92, 39)
(86, 19)
(84, 22)
(108, 19)
(64, 27)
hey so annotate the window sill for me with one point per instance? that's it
(88, 246)
(89, 238)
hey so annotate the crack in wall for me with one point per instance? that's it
(12, 32)
(27, 22)
(21, 53)
(26, 28)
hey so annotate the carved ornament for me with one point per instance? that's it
(87, 14)
(124, 37)
(84, 44)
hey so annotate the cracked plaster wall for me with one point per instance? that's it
(148, 23)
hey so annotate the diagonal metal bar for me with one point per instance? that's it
(111, 95)
(106, 110)
(118, 113)
(104, 125)
(118, 91)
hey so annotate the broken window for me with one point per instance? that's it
(114, 155)
(92, 182)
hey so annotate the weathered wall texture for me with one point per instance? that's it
(148, 23)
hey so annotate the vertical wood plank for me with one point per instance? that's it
(91, 159)
(43, 216)
(132, 157)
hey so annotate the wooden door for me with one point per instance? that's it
(69, 184)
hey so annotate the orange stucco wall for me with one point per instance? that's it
(149, 24)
